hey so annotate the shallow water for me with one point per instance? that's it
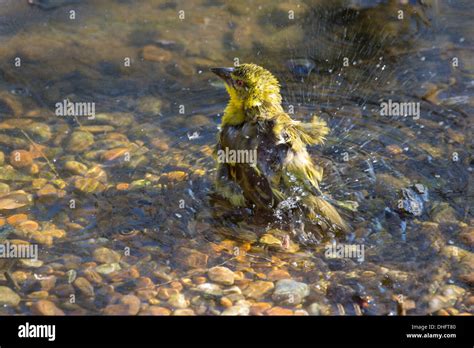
(136, 216)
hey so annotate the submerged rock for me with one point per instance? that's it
(221, 275)
(8, 297)
(80, 141)
(290, 292)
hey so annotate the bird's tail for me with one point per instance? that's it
(319, 209)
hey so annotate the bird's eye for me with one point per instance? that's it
(239, 83)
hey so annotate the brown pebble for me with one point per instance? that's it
(155, 310)
(16, 219)
(192, 258)
(146, 294)
(279, 311)
(28, 226)
(122, 186)
(47, 283)
(144, 282)
(84, 286)
(128, 305)
(199, 280)
(185, 312)
(259, 308)
(394, 149)
(467, 278)
(21, 159)
(278, 274)
(92, 276)
(166, 293)
(225, 302)
(38, 295)
(258, 289)
(45, 307)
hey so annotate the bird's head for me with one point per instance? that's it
(250, 86)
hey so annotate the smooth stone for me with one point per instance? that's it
(221, 275)
(184, 312)
(290, 292)
(278, 274)
(30, 263)
(21, 159)
(178, 301)
(88, 185)
(257, 290)
(4, 188)
(128, 305)
(45, 307)
(8, 297)
(80, 142)
(278, 311)
(210, 289)
(156, 310)
(106, 255)
(108, 268)
(14, 200)
(75, 167)
(192, 258)
(84, 286)
(237, 310)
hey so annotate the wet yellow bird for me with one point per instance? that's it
(281, 174)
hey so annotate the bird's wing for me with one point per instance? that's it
(301, 176)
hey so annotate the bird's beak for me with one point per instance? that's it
(223, 73)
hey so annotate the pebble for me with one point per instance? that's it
(8, 297)
(467, 278)
(45, 307)
(467, 237)
(16, 219)
(128, 305)
(259, 308)
(278, 274)
(178, 301)
(226, 302)
(108, 268)
(92, 276)
(290, 292)
(221, 275)
(258, 289)
(106, 255)
(209, 289)
(237, 310)
(21, 159)
(84, 286)
(80, 141)
(394, 149)
(30, 263)
(76, 168)
(14, 200)
(155, 310)
(279, 311)
(184, 312)
(88, 185)
(192, 258)
(166, 293)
